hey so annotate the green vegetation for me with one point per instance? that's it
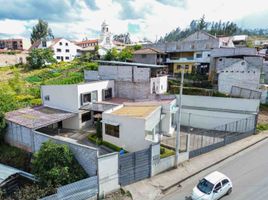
(39, 58)
(262, 127)
(14, 157)
(93, 138)
(55, 164)
(29, 192)
(165, 152)
(124, 55)
(20, 87)
(3, 126)
(227, 28)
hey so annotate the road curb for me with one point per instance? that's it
(164, 190)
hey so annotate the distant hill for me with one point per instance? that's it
(215, 28)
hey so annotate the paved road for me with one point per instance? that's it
(248, 171)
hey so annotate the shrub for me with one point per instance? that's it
(55, 164)
(36, 102)
(38, 58)
(165, 152)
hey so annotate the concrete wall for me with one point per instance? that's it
(68, 97)
(233, 104)
(31, 141)
(64, 97)
(91, 75)
(147, 59)
(139, 90)
(222, 52)
(108, 174)
(239, 74)
(210, 112)
(8, 60)
(161, 165)
(141, 74)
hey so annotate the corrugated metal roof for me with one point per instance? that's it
(7, 171)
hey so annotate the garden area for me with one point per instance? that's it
(20, 86)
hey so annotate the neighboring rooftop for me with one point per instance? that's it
(130, 64)
(99, 107)
(37, 117)
(141, 111)
(149, 51)
(6, 172)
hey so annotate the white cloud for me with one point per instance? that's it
(159, 18)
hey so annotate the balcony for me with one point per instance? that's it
(180, 59)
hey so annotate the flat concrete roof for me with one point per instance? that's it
(130, 64)
(37, 117)
(135, 111)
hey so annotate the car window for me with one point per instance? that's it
(218, 186)
(224, 182)
(205, 186)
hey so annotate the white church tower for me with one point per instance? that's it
(106, 38)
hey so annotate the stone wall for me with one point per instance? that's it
(8, 60)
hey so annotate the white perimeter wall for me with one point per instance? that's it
(210, 112)
(108, 173)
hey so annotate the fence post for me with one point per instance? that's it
(236, 124)
(246, 126)
(188, 142)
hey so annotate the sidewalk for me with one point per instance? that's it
(152, 188)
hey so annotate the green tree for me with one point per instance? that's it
(111, 54)
(38, 58)
(55, 164)
(41, 31)
(125, 54)
(202, 24)
(3, 126)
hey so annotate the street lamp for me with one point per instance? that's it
(179, 121)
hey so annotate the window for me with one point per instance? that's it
(67, 58)
(108, 93)
(85, 98)
(186, 66)
(58, 50)
(44, 44)
(89, 97)
(199, 55)
(224, 182)
(86, 116)
(67, 50)
(208, 55)
(60, 43)
(218, 186)
(178, 67)
(143, 56)
(47, 98)
(58, 57)
(220, 59)
(192, 46)
(66, 44)
(112, 130)
(243, 63)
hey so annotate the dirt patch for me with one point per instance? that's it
(119, 195)
(263, 116)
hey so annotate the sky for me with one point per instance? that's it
(78, 19)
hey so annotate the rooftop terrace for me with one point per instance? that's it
(135, 111)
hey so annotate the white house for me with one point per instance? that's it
(135, 126)
(78, 99)
(64, 50)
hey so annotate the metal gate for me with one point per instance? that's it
(134, 166)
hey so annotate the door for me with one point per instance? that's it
(225, 186)
(217, 191)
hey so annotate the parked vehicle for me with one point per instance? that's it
(212, 187)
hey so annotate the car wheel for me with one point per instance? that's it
(229, 191)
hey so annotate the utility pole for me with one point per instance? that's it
(178, 132)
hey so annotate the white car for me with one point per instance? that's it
(212, 187)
